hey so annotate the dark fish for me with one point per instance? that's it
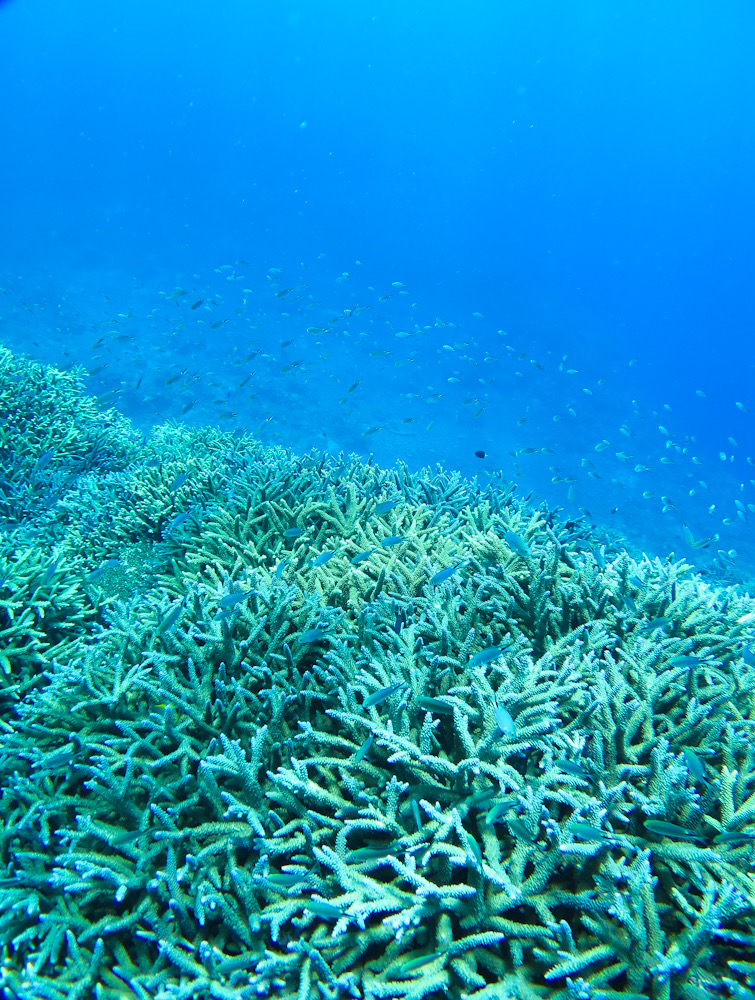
(197, 304)
(480, 454)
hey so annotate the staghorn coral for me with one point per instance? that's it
(355, 732)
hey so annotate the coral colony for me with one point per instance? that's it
(297, 726)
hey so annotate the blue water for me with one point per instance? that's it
(557, 188)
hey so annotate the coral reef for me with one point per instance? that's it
(299, 726)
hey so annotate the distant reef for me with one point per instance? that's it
(300, 727)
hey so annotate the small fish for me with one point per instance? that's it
(392, 540)
(371, 853)
(324, 909)
(231, 600)
(473, 848)
(480, 454)
(571, 767)
(197, 304)
(176, 522)
(520, 831)
(293, 532)
(313, 635)
(505, 721)
(661, 828)
(695, 765)
(444, 574)
(322, 558)
(97, 573)
(378, 697)
(588, 832)
(178, 482)
(685, 661)
(363, 750)
(436, 705)
(734, 838)
(372, 430)
(417, 963)
(486, 655)
(517, 545)
(655, 625)
(42, 461)
(284, 880)
(280, 568)
(384, 506)
(361, 557)
(169, 620)
(499, 810)
(482, 799)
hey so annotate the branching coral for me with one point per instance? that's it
(364, 733)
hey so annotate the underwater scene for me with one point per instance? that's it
(377, 495)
